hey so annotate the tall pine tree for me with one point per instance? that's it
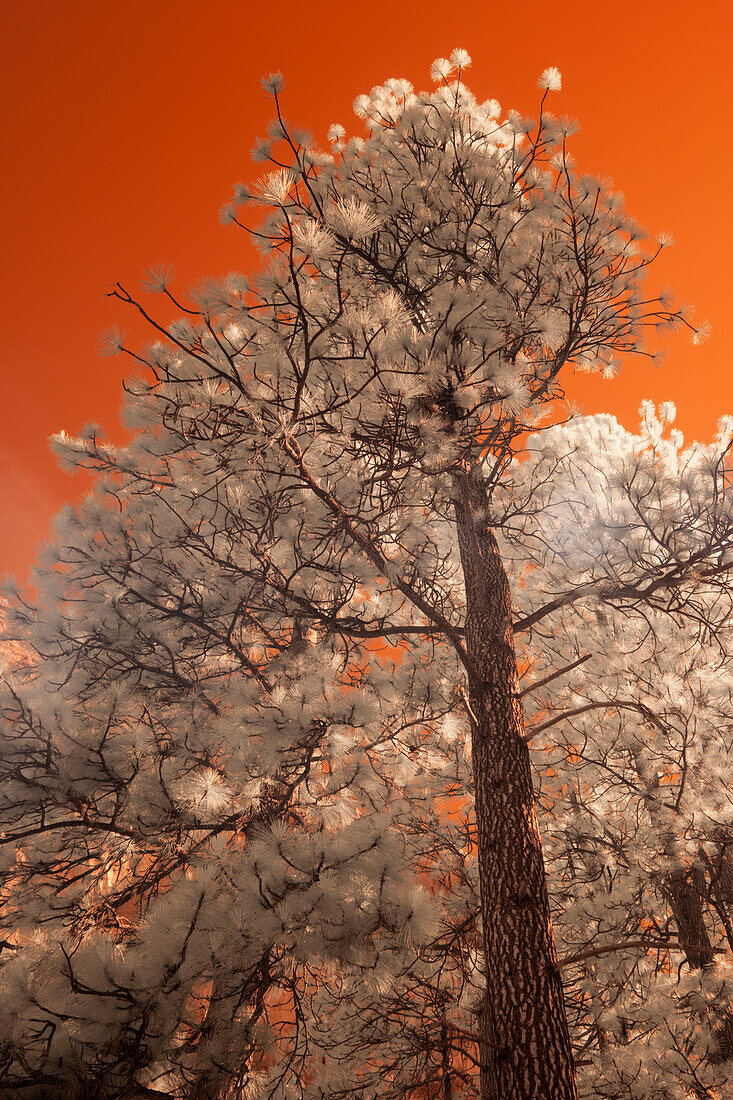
(204, 791)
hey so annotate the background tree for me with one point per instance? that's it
(631, 740)
(199, 797)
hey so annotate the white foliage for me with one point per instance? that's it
(550, 79)
(235, 760)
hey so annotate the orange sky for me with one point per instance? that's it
(126, 126)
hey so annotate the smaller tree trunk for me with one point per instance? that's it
(684, 889)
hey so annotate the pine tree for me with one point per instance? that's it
(204, 777)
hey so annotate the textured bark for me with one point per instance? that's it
(724, 871)
(530, 1056)
(486, 1053)
(720, 874)
(685, 888)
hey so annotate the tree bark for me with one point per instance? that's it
(726, 875)
(530, 1056)
(685, 888)
(486, 1053)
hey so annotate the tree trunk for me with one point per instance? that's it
(685, 891)
(530, 1056)
(685, 888)
(486, 1052)
(726, 873)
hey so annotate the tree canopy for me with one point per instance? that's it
(268, 818)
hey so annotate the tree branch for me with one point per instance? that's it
(627, 945)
